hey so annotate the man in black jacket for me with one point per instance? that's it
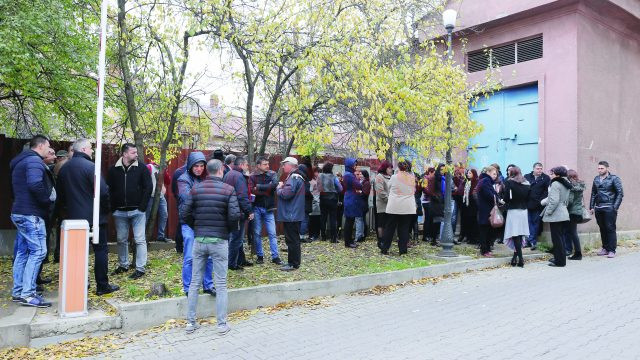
(235, 177)
(130, 188)
(539, 187)
(212, 210)
(606, 197)
(263, 184)
(75, 187)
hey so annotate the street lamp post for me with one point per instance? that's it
(446, 238)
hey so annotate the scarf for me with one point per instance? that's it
(467, 190)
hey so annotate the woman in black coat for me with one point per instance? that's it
(516, 195)
(486, 198)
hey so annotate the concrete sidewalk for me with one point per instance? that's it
(25, 326)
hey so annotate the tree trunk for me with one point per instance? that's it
(132, 110)
(289, 146)
(173, 119)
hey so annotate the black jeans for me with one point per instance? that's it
(381, 224)
(469, 222)
(606, 219)
(292, 238)
(572, 241)
(314, 226)
(348, 230)
(485, 237)
(101, 261)
(178, 237)
(403, 224)
(328, 211)
(558, 230)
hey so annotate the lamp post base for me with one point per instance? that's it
(447, 253)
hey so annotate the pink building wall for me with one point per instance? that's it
(588, 79)
(609, 101)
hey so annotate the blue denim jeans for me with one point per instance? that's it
(202, 255)
(262, 216)
(535, 224)
(30, 250)
(360, 227)
(137, 220)
(163, 215)
(236, 238)
(187, 261)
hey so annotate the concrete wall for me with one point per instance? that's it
(608, 100)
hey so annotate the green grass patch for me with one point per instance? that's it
(320, 260)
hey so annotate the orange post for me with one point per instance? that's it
(74, 268)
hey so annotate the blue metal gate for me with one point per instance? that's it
(510, 135)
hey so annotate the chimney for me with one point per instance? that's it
(214, 101)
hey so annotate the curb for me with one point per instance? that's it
(15, 329)
(139, 316)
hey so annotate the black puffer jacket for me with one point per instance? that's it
(516, 195)
(236, 179)
(211, 209)
(539, 190)
(606, 192)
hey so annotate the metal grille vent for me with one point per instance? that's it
(478, 61)
(530, 49)
(504, 55)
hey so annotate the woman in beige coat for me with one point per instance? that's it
(401, 208)
(381, 191)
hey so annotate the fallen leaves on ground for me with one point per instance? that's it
(80, 348)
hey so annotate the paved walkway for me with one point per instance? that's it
(588, 310)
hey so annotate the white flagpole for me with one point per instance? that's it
(98, 156)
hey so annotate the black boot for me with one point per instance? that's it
(576, 256)
(518, 244)
(513, 259)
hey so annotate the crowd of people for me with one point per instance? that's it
(222, 204)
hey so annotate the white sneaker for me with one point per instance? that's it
(191, 327)
(223, 329)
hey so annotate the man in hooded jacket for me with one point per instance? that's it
(195, 173)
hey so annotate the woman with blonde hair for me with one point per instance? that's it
(401, 208)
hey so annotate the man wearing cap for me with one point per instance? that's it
(291, 210)
(62, 156)
(59, 211)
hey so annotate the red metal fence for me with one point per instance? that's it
(10, 147)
